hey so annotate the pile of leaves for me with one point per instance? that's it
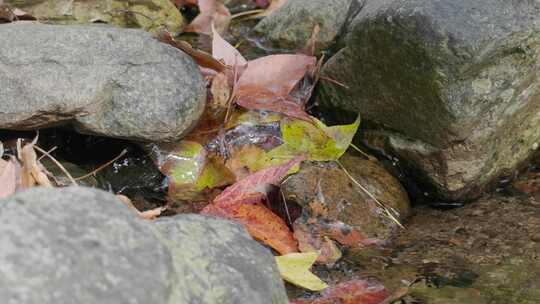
(254, 133)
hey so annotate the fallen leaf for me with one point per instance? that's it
(251, 118)
(246, 160)
(8, 177)
(267, 82)
(203, 59)
(224, 51)
(317, 228)
(191, 172)
(274, 5)
(261, 223)
(356, 291)
(221, 91)
(316, 140)
(294, 268)
(31, 172)
(255, 185)
(212, 13)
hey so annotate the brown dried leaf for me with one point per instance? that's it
(221, 91)
(203, 59)
(32, 173)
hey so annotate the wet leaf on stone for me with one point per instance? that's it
(191, 172)
(316, 140)
(251, 118)
(294, 268)
(249, 159)
(255, 184)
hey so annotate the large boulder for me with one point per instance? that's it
(106, 81)
(454, 85)
(79, 245)
(291, 25)
(82, 245)
(218, 262)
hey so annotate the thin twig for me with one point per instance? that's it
(58, 164)
(363, 153)
(49, 152)
(246, 13)
(387, 210)
(102, 166)
(334, 82)
(286, 207)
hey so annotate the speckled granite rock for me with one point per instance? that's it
(106, 81)
(82, 245)
(453, 85)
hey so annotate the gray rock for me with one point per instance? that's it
(79, 245)
(454, 85)
(291, 26)
(218, 262)
(82, 245)
(106, 81)
(346, 202)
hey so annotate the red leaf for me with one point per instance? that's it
(267, 82)
(224, 51)
(260, 222)
(8, 177)
(211, 12)
(355, 291)
(255, 185)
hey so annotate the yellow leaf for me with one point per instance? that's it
(318, 141)
(294, 268)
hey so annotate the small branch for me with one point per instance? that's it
(334, 82)
(58, 164)
(247, 13)
(49, 152)
(363, 153)
(102, 166)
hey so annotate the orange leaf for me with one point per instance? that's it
(261, 223)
